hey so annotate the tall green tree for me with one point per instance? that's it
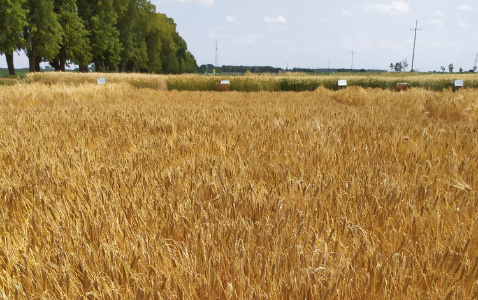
(175, 58)
(134, 24)
(450, 68)
(113, 34)
(189, 64)
(167, 28)
(100, 20)
(12, 21)
(154, 45)
(43, 34)
(75, 46)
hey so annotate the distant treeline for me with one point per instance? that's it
(237, 69)
(267, 69)
(115, 35)
(343, 70)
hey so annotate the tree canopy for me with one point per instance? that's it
(115, 35)
(12, 22)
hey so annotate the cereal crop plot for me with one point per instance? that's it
(116, 192)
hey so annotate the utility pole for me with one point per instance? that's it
(414, 42)
(217, 58)
(351, 69)
(476, 60)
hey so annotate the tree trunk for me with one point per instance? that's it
(31, 62)
(129, 67)
(37, 63)
(55, 64)
(11, 67)
(62, 64)
(83, 69)
(111, 68)
(99, 67)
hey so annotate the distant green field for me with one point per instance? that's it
(19, 73)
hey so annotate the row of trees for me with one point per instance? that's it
(115, 35)
(238, 69)
(451, 67)
(399, 66)
(402, 66)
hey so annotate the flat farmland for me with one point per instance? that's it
(116, 192)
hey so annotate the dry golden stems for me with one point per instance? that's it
(113, 192)
(256, 82)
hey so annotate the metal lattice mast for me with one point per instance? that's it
(414, 43)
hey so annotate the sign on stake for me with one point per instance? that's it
(403, 86)
(223, 86)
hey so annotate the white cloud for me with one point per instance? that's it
(436, 22)
(230, 19)
(464, 7)
(216, 36)
(462, 23)
(280, 43)
(439, 14)
(277, 20)
(202, 2)
(251, 39)
(395, 8)
(347, 12)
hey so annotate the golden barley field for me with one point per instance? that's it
(115, 192)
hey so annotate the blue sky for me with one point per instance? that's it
(311, 34)
(308, 33)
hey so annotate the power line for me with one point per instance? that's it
(414, 42)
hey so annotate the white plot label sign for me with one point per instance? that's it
(101, 80)
(342, 82)
(459, 83)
